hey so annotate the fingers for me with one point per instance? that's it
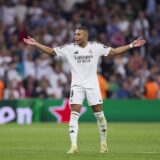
(140, 41)
(25, 40)
(139, 38)
(29, 37)
(143, 41)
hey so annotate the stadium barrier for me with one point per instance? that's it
(44, 110)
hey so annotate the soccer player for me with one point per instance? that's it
(82, 57)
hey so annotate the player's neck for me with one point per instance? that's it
(84, 44)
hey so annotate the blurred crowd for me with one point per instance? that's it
(27, 73)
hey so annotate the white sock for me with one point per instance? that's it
(102, 125)
(73, 127)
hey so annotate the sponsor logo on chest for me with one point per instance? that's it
(83, 58)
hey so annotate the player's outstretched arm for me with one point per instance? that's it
(40, 46)
(120, 50)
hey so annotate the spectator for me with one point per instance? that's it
(30, 86)
(124, 92)
(141, 26)
(151, 88)
(1, 89)
(10, 91)
(8, 13)
(58, 80)
(29, 66)
(103, 86)
(53, 23)
(21, 11)
(44, 90)
(43, 68)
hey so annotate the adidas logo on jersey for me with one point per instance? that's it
(76, 52)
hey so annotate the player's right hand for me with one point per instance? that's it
(30, 40)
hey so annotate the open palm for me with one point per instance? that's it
(29, 40)
(138, 42)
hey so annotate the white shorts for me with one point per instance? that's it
(78, 94)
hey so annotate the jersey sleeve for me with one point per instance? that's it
(103, 50)
(61, 50)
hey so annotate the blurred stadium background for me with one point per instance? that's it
(26, 73)
(34, 87)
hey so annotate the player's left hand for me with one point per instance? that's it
(138, 42)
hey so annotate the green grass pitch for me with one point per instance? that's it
(50, 141)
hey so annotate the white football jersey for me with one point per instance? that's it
(83, 62)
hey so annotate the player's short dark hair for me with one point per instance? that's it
(81, 27)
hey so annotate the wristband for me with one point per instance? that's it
(131, 45)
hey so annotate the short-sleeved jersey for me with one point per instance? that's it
(83, 62)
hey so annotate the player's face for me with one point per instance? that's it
(81, 37)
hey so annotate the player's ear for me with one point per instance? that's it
(86, 34)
